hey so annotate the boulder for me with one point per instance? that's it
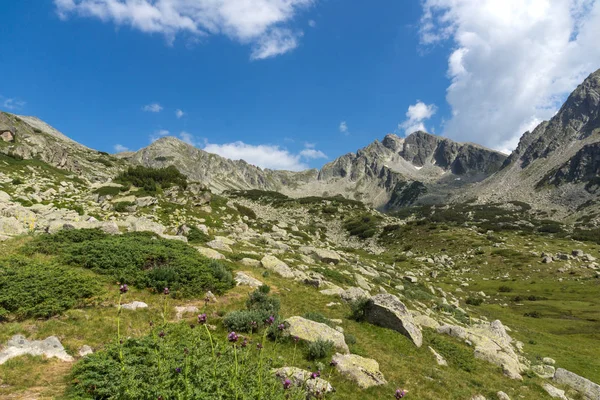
(312, 331)
(426, 322)
(180, 310)
(554, 392)
(441, 361)
(10, 226)
(327, 256)
(364, 371)
(577, 253)
(589, 389)
(7, 135)
(502, 396)
(219, 245)
(354, 293)
(250, 262)
(332, 291)
(547, 260)
(274, 264)
(544, 371)
(85, 350)
(145, 201)
(4, 197)
(388, 311)
(210, 253)
(244, 279)
(134, 305)
(18, 345)
(548, 361)
(145, 225)
(316, 386)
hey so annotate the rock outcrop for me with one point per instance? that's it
(388, 311)
(589, 389)
(311, 331)
(364, 371)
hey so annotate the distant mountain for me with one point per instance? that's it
(557, 165)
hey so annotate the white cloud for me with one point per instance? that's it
(312, 23)
(179, 113)
(154, 107)
(260, 23)
(119, 148)
(158, 134)
(265, 156)
(344, 128)
(11, 104)
(188, 138)
(416, 116)
(513, 61)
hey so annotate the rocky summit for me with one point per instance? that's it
(417, 267)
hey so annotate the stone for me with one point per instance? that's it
(209, 297)
(7, 135)
(502, 396)
(543, 371)
(589, 389)
(85, 350)
(302, 378)
(210, 253)
(547, 260)
(180, 310)
(10, 226)
(145, 201)
(426, 322)
(388, 311)
(145, 225)
(219, 245)
(354, 293)
(272, 263)
(134, 305)
(554, 392)
(250, 262)
(362, 282)
(4, 197)
(577, 253)
(441, 361)
(410, 278)
(312, 331)
(335, 291)
(244, 279)
(548, 361)
(364, 371)
(126, 199)
(18, 346)
(478, 397)
(327, 256)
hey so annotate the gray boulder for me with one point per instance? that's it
(589, 389)
(312, 331)
(554, 392)
(243, 279)
(388, 311)
(364, 371)
(274, 264)
(354, 293)
(134, 305)
(301, 378)
(18, 345)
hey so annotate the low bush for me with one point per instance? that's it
(505, 289)
(364, 226)
(152, 179)
(110, 190)
(259, 307)
(178, 362)
(122, 206)
(474, 301)
(141, 259)
(31, 289)
(195, 235)
(318, 317)
(456, 354)
(357, 309)
(245, 211)
(319, 349)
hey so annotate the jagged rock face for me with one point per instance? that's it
(583, 167)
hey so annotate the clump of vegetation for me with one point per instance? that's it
(318, 317)
(122, 206)
(111, 190)
(151, 180)
(474, 301)
(260, 307)
(140, 259)
(358, 309)
(457, 355)
(319, 349)
(32, 289)
(505, 289)
(178, 361)
(17, 181)
(195, 235)
(245, 211)
(364, 225)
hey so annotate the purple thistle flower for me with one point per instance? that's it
(259, 346)
(286, 384)
(245, 342)
(296, 339)
(178, 370)
(253, 324)
(161, 334)
(232, 337)
(315, 375)
(124, 289)
(400, 393)
(202, 319)
(166, 291)
(281, 327)
(270, 320)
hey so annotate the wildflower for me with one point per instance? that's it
(166, 291)
(245, 342)
(259, 346)
(202, 319)
(151, 324)
(333, 363)
(281, 327)
(286, 384)
(270, 320)
(124, 288)
(161, 334)
(253, 325)
(232, 337)
(400, 393)
(315, 375)
(178, 370)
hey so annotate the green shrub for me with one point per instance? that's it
(364, 226)
(505, 289)
(319, 349)
(122, 206)
(259, 307)
(152, 179)
(31, 289)
(358, 308)
(474, 301)
(349, 338)
(110, 190)
(456, 354)
(245, 211)
(159, 366)
(195, 235)
(141, 259)
(17, 181)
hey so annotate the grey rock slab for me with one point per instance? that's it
(274, 264)
(244, 279)
(85, 350)
(363, 371)
(388, 311)
(134, 305)
(312, 331)
(210, 253)
(554, 392)
(18, 346)
(587, 388)
(303, 379)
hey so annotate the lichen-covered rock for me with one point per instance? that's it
(4, 197)
(502, 396)
(441, 361)
(544, 371)
(10, 226)
(364, 371)
(219, 245)
(388, 311)
(554, 392)
(210, 253)
(243, 279)
(85, 350)
(354, 293)
(18, 345)
(299, 377)
(589, 389)
(250, 262)
(274, 264)
(312, 331)
(134, 305)
(327, 256)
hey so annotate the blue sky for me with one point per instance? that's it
(292, 83)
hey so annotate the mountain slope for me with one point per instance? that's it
(556, 166)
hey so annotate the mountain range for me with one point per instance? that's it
(555, 167)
